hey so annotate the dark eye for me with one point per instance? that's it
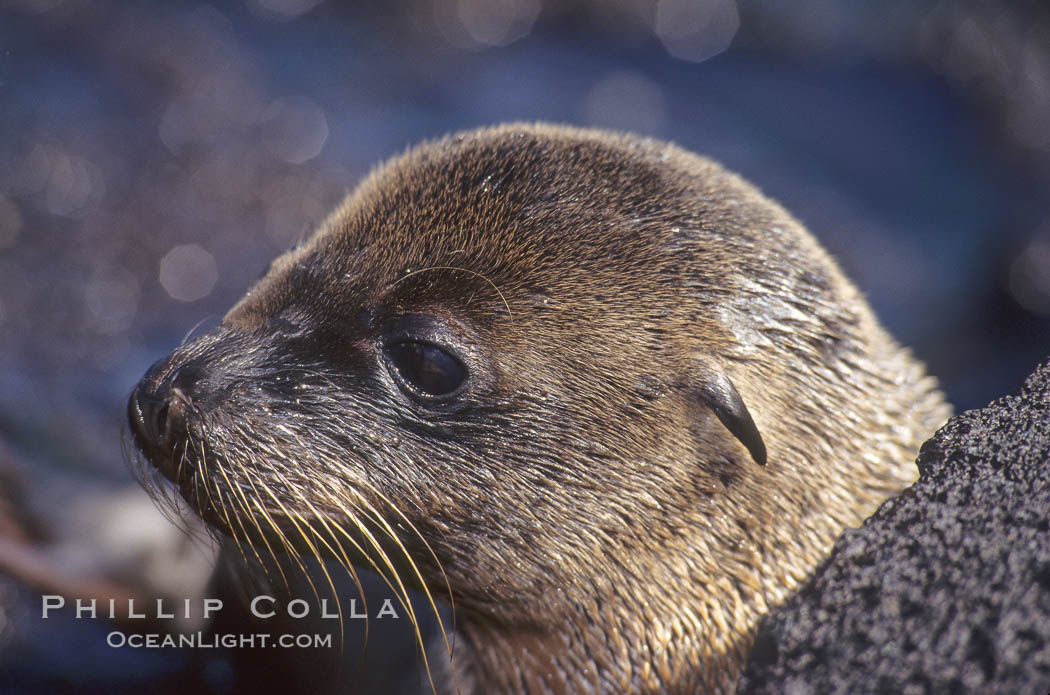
(426, 368)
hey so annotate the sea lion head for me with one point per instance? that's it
(583, 381)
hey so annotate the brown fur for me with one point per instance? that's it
(599, 527)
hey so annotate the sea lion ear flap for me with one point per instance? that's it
(717, 392)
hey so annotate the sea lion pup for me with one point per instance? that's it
(601, 390)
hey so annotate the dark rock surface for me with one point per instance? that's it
(946, 589)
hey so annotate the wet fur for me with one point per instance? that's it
(599, 527)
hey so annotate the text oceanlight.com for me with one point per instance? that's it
(200, 640)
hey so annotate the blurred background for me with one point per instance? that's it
(155, 156)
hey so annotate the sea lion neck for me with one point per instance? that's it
(602, 646)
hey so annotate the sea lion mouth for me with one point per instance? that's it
(158, 414)
(158, 419)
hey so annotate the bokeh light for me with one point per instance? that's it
(188, 273)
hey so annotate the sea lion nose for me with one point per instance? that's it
(148, 415)
(157, 419)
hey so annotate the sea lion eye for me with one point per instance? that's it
(426, 368)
